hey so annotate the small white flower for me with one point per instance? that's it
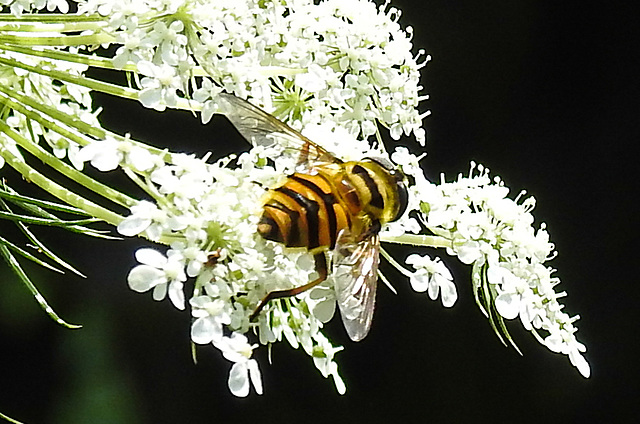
(144, 216)
(161, 273)
(432, 276)
(210, 315)
(104, 155)
(159, 87)
(140, 159)
(323, 354)
(244, 370)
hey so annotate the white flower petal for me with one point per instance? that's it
(449, 293)
(144, 277)
(508, 305)
(176, 294)
(325, 309)
(133, 225)
(554, 343)
(160, 291)
(469, 252)
(256, 377)
(238, 379)
(580, 363)
(419, 282)
(151, 257)
(434, 288)
(205, 330)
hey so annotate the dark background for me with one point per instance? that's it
(541, 92)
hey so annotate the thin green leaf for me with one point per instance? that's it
(41, 247)
(17, 269)
(33, 208)
(495, 319)
(9, 419)
(19, 199)
(485, 295)
(45, 221)
(477, 279)
(88, 231)
(6, 243)
(506, 333)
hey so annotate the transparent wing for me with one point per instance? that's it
(262, 129)
(355, 274)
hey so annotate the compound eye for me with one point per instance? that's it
(403, 196)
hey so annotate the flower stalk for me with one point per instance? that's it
(51, 186)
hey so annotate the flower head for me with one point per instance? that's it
(336, 70)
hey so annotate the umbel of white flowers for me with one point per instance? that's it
(337, 70)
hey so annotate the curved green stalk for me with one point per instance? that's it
(37, 112)
(9, 419)
(44, 221)
(50, 18)
(57, 41)
(83, 59)
(18, 102)
(17, 269)
(52, 187)
(395, 263)
(93, 84)
(68, 171)
(59, 27)
(417, 240)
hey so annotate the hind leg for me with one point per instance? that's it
(321, 268)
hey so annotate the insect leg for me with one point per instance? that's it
(321, 268)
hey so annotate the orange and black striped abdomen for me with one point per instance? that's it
(305, 211)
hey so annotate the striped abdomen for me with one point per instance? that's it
(304, 212)
(309, 210)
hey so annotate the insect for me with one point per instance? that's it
(326, 205)
(213, 258)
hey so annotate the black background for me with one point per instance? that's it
(541, 92)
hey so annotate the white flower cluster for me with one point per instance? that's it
(340, 67)
(47, 95)
(342, 61)
(495, 234)
(211, 213)
(18, 7)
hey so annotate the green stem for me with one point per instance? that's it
(395, 263)
(15, 267)
(28, 219)
(72, 173)
(104, 87)
(46, 115)
(9, 419)
(147, 187)
(55, 163)
(52, 187)
(57, 41)
(417, 240)
(50, 18)
(39, 112)
(84, 59)
(93, 84)
(59, 27)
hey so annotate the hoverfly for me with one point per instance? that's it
(326, 205)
